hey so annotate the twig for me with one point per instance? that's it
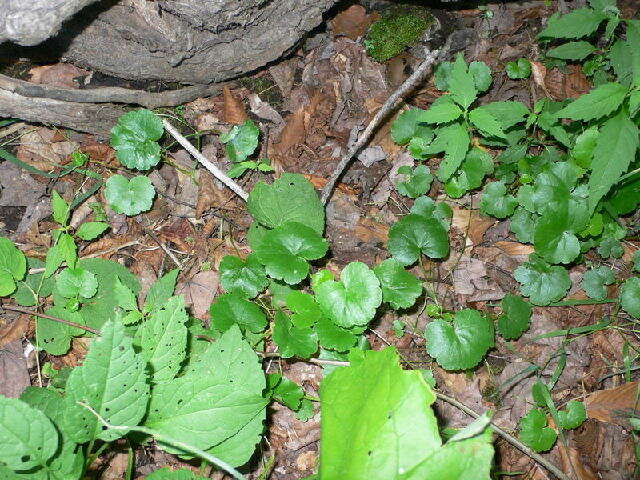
(206, 163)
(162, 438)
(49, 317)
(166, 250)
(508, 437)
(391, 103)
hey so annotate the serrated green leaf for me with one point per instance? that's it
(507, 113)
(126, 299)
(353, 300)
(496, 202)
(55, 337)
(285, 391)
(167, 474)
(13, 266)
(28, 439)
(630, 296)
(234, 309)
(130, 197)
(135, 139)
(460, 344)
(161, 290)
(74, 282)
(519, 69)
(60, 208)
(416, 235)
(576, 24)
(111, 380)
(573, 415)
(594, 280)
(400, 288)
(241, 141)
(246, 278)
(33, 286)
(286, 250)
(218, 395)
(599, 102)
(91, 230)
(333, 337)
(615, 150)
(475, 167)
(407, 125)
(515, 318)
(454, 141)
(554, 239)
(461, 83)
(443, 110)
(162, 339)
(535, 433)
(417, 184)
(486, 122)
(291, 198)
(523, 224)
(306, 310)
(572, 51)
(293, 341)
(541, 282)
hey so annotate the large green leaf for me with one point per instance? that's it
(130, 197)
(285, 251)
(291, 198)
(598, 103)
(462, 343)
(162, 339)
(575, 24)
(28, 439)
(353, 300)
(554, 239)
(461, 83)
(13, 266)
(234, 309)
(135, 139)
(415, 235)
(219, 394)
(112, 380)
(244, 277)
(541, 282)
(400, 288)
(55, 337)
(572, 51)
(614, 152)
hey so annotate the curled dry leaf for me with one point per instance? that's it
(15, 330)
(514, 248)
(614, 405)
(234, 111)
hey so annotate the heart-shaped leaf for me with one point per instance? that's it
(233, 309)
(293, 341)
(400, 288)
(415, 235)
(541, 282)
(130, 197)
(246, 278)
(135, 139)
(515, 318)
(535, 433)
(594, 281)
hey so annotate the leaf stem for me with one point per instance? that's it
(206, 163)
(162, 438)
(49, 317)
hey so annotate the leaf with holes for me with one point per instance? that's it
(161, 290)
(216, 397)
(291, 198)
(400, 288)
(55, 337)
(286, 250)
(162, 339)
(353, 300)
(135, 139)
(462, 343)
(515, 318)
(246, 278)
(112, 381)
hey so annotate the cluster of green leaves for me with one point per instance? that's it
(534, 429)
(241, 142)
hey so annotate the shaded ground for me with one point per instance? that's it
(307, 105)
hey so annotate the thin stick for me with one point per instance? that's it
(508, 437)
(49, 317)
(391, 103)
(160, 437)
(206, 163)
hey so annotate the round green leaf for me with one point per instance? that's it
(523, 224)
(460, 344)
(519, 69)
(130, 197)
(293, 341)
(535, 433)
(414, 235)
(594, 280)
(573, 415)
(553, 241)
(541, 282)
(241, 141)
(28, 439)
(333, 337)
(13, 266)
(306, 309)
(426, 207)
(284, 251)
(354, 299)
(135, 139)
(630, 296)
(515, 318)
(246, 278)
(496, 202)
(74, 282)
(232, 309)
(417, 183)
(400, 288)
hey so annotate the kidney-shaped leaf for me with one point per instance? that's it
(414, 235)
(400, 288)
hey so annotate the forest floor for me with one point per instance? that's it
(306, 106)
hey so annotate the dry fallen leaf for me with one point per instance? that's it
(58, 75)
(234, 111)
(14, 330)
(352, 22)
(199, 292)
(615, 404)
(572, 462)
(514, 248)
